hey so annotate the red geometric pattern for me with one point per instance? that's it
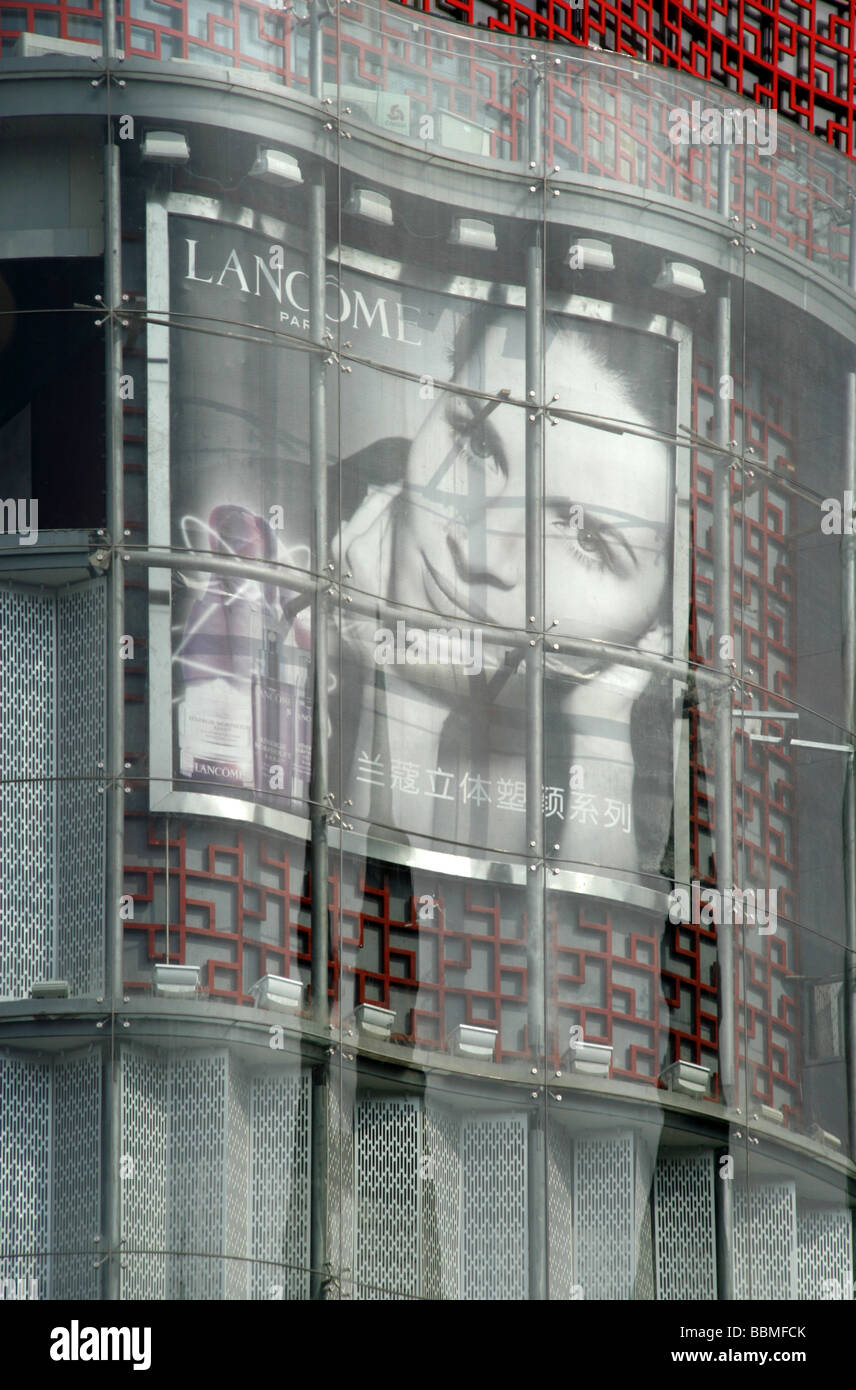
(796, 56)
(763, 604)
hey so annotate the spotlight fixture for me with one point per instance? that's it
(680, 278)
(469, 231)
(686, 1077)
(277, 992)
(589, 1059)
(165, 147)
(585, 254)
(823, 1136)
(368, 203)
(50, 989)
(468, 1040)
(771, 1114)
(374, 1021)
(175, 981)
(275, 166)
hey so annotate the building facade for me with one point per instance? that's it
(427, 664)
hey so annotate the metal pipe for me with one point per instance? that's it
(368, 605)
(848, 614)
(536, 117)
(724, 781)
(535, 881)
(319, 779)
(115, 759)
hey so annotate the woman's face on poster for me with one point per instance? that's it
(461, 549)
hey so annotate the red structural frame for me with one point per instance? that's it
(796, 56)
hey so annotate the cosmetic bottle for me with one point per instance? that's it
(273, 725)
(220, 652)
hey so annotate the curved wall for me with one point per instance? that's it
(428, 623)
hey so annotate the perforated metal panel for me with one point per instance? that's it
(494, 1250)
(386, 1160)
(341, 1206)
(825, 1254)
(279, 1124)
(196, 1167)
(25, 1136)
(765, 1241)
(27, 831)
(643, 1285)
(81, 685)
(144, 1190)
(76, 1155)
(684, 1226)
(440, 1180)
(236, 1179)
(604, 1235)
(560, 1257)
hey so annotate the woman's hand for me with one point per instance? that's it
(599, 820)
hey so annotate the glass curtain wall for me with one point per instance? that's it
(429, 649)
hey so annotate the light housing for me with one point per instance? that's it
(678, 277)
(471, 1040)
(369, 203)
(175, 981)
(687, 1077)
(470, 231)
(374, 1020)
(275, 166)
(587, 254)
(165, 147)
(50, 989)
(279, 993)
(589, 1059)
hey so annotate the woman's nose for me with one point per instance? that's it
(491, 552)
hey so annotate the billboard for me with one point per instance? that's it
(427, 420)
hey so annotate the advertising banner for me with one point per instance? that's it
(426, 444)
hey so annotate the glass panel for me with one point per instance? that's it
(53, 726)
(51, 1150)
(453, 951)
(456, 93)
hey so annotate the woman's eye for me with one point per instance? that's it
(589, 542)
(585, 542)
(480, 445)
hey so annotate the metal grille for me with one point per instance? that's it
(76, 1154)
(196, 1167)
(493, 1201)
(386, 1153)
(604, 1185)
(279, 1127)
(643, 1286)
(440, 1178)
(824, 1254)
(235, 1177)
(560, 1263)
(25, 1113)
(27, 832)
(765, 1244)
(81, 693)
(144, 1188)
(684, 1227)
(341, 1218)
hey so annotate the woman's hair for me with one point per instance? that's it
(631, 364)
